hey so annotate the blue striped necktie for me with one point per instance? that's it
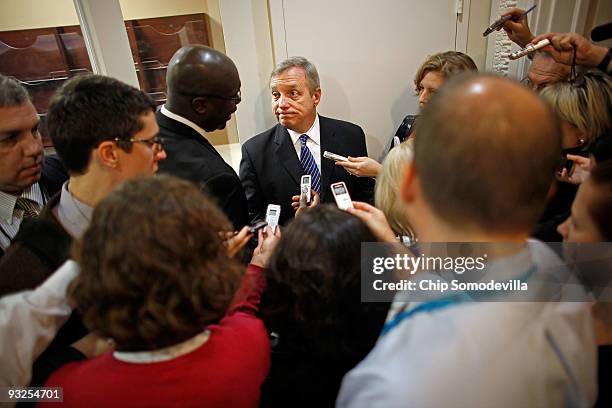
(309, 165)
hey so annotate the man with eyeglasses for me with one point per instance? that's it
(27, 177)
(203, 92)
(104, 132)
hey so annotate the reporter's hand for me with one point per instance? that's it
(361, 166)
(299, 209)
(580, 171)
(562, 49)
(266, 246)
(518, 31)
(235, 242)
(374, 219)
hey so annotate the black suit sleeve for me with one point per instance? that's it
(226, 190)
(251, 186)
(364, 186)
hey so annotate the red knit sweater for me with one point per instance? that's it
(226, 371)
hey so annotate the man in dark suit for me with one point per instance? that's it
(274, 161)
(27, 178)
(203, 92)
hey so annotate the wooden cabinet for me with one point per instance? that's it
(43, 59)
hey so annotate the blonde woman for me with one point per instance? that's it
(386, 195)
(584, 106)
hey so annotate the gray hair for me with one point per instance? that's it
(312, 76)
(12, 92)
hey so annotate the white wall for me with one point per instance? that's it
(248, 42)
(367, 53)
(373, 88)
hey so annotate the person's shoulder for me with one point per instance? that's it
(262, 139)
(338, 123)
(90, 371)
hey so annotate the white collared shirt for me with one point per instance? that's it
(183, 120)
(313, 143)
(10, 218)
(485, 353)
(73, 214)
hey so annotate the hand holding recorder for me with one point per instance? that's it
(235, 241)
(268, 241)
(375, 220)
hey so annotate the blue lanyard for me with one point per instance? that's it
(438, 304)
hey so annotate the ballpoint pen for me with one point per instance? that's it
(500, 22)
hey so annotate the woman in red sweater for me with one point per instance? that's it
(157, 280)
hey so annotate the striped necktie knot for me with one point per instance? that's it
(30, 208)
(309, 164)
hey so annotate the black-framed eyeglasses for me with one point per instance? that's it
(155, 143)
(236, 98)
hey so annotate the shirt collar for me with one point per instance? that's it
(8, 201)
(183, 120)
(73, 214)
(313, 133)
(165, 354)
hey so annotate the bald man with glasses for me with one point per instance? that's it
(203, 93)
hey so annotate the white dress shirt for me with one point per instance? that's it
(183, 120)
(313, 143)
(29, 321)
(10, 218)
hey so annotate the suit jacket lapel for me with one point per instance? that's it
(286, 155)
(328, 143)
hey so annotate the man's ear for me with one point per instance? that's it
(200, 105)
(409, 183)
(317, 96)
(107, 153)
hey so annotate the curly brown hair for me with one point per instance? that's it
(154, 270)
(447, 63)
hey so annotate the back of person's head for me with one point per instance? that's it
(600, 206)
(387, 193)
(313, 293)
(90, 109)
(486, 154)
(203, 86)
(12, 92)
(447, 63)
(154, 270)
(585, 102)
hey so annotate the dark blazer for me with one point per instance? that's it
(40, 247)
(52, 178)
(192, 157)
(270, 169)
(53, 175)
